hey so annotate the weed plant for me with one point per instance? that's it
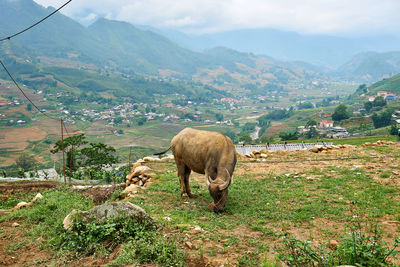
(356, 248)
(143, 242)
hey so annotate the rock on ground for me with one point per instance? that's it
(106, 211)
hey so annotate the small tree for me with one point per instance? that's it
(98, 155)
(379, 101)
(289, 135)
(394, 130)
(25, 162)
(312, 133)
(231, 134)
(219, 116)
(70, 142)
(311, 123)
(382, 119)
(340, 113)
(245, 138)
(368, 106)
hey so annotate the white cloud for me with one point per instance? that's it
(304, 16)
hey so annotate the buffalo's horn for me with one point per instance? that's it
(229, 175)
(226, 184)
(208, 181)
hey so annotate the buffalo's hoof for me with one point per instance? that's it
(191, 195)
(184, 195)
(216, 210)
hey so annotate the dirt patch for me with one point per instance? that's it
(15, 250)
(101, 194)
(18, 138)
(25, 187)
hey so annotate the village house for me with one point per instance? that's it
(326, 124)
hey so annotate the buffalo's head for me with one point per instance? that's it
(219, 190)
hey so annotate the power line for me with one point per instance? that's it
(22, 91)
(33, 104)
(33, 25)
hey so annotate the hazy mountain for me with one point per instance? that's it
(56, 37)
(142, 50)
(284, 45)
(116, 45)
(371, 66)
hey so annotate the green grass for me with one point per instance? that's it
(260, 207)
(264, 202)
(143, 241)
(46, 216)
(351, 140)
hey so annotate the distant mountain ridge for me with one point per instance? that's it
(116, 45)
(371, 66)
(324, 50)
(122, 47)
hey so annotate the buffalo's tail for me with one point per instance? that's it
(160, 153)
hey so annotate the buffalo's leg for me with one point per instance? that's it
(181, 174)
(186, 180)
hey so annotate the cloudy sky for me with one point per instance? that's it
(333, 17)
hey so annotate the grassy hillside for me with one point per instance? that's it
(371, 66)
(277, 214)
(390, 84)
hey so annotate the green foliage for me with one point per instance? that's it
(143, 242)
(340, 113)
(391, 84)
(279, 114)
(47, 215)
(289, 135)
(98, 155)
(305, 105)
(245, 139)
(263, 120)
(379, 101)
(311, 122)
(248, 128)
(357, 248)
(25, 162)
(231, 134)
(75, 141)
(382, 119)
(312, 133)
(394, 130)
(150, 247)
(85, 237)
(362, 89)
(219, 116)
(265, 139)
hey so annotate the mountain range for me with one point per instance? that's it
(330, 51)
(122, 47)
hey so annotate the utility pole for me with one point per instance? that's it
(71, 158)
(129, 158)
(62, 147)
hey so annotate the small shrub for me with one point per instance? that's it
(84, 238)
(143, 242)
(357, 248)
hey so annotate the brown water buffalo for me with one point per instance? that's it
(205, 152)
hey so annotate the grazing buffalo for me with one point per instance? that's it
(205, 152)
